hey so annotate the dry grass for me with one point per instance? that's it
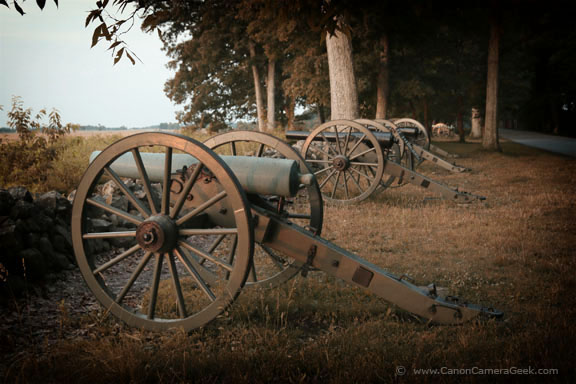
(515, 251)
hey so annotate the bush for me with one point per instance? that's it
(28, 161)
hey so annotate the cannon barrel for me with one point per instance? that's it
(408, 131)
(384, 138)
(260, 175)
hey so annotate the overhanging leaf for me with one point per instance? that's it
(118, 56)
(96, 35)
(56, 2)
(41, 3)
(3, 2)
(131, 59)
(19, 9)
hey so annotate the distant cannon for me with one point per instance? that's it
(192, 237)
(353, 159)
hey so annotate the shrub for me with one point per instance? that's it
(28, 161)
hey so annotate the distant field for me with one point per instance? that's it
(127, 132)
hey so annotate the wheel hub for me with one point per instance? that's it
(157, 234)
(340, 163)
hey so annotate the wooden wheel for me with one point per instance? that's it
(270, 268)
(396, 153)
(347, 160)
(421, 139)
(148, 274)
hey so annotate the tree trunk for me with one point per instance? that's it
(476, 122)
(257, 88)
(289, 110)
(383, 90)
(426, 122)
(343, 91)
(271, 94)
(321, 114)
(490, 139)
(460, 125)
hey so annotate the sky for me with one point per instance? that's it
(46, 59)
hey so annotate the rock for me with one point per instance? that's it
(36, 266)
(6, 202)
(71, 196)
(20, 193)
(46, 223)
(120, 202)
(45, 246)
(33, 225)
(61, 261)
(54, 202)
(59, 243)
(109, 189)
(100, 225)
(22, 209)
(64, 232)
(32, 240)
(10, 238)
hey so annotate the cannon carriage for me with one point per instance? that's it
(192, 238)
(354, 159)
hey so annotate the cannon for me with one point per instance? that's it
(352, 161)
(419, 145)
(190, 240)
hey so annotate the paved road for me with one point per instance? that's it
(558, 144)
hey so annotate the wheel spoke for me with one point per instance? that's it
(347, 139)
(260, 150)
(186, 190)
(209, 231)
(117, 259)
(216, 243)
(357, 182)
(318, 149)
(166, 183)
(108, 235)
(233, 148)
(361, 174)
(127, 192)
(146, 181)
(118, 212)
(346, 186)
(154, 287)
(327, 178)
(364, 164)
(177, 287)
(207, 204)
(356, 145)
(322, 170)
(194, 263)
(319, 161)
(133, 277)
(335, 185)
(362, 153)
(195, 275)
(328, 144)
(252, 277)
(207, 256)
(337, 139)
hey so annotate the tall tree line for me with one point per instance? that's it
(509, 59)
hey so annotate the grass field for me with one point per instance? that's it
(514, 251)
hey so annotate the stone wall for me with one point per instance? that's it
(35, 239)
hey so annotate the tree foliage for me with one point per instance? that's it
(437, 52)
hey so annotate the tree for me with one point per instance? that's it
(490, 137)
(343, 89)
